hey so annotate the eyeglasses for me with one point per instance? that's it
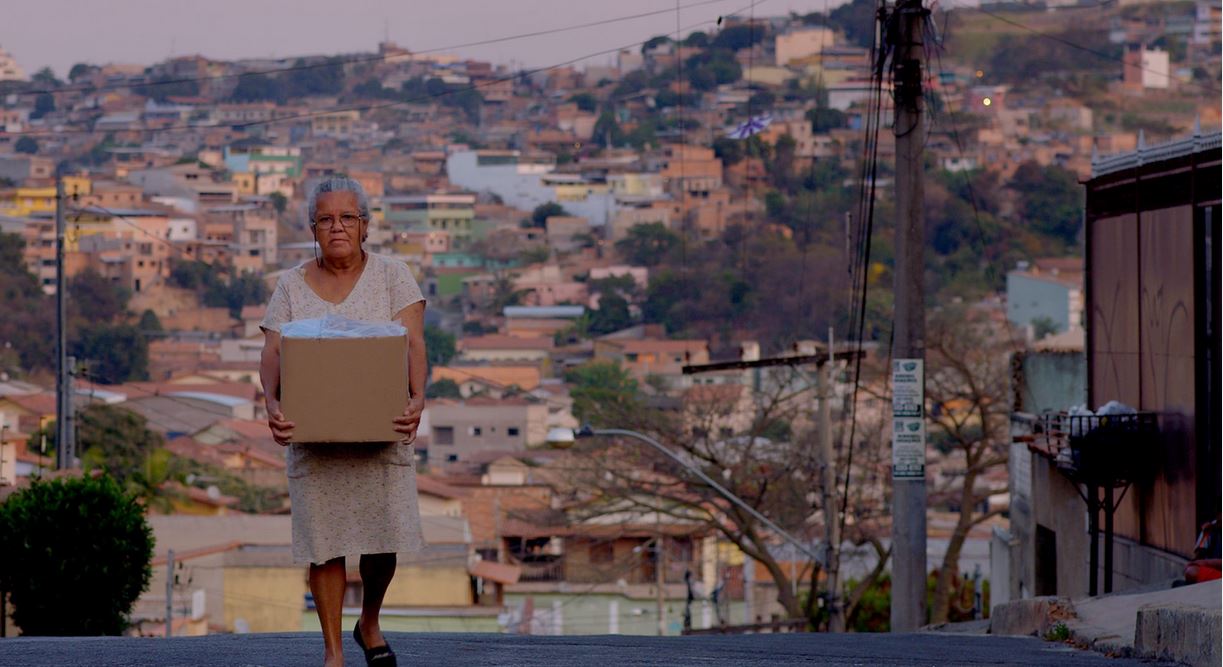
(346, 220)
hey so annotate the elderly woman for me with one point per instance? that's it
(349, 500)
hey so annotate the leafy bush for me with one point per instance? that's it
(77, 555)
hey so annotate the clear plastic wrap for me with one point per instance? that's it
(336, 326)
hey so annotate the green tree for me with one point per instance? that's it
(585, 101)
(149, 323)
(28, 313)
(77, 556)
(857, 20)
(539, 217)
(81, 70)
(165, 87)
(43, 105)
(611, 315)
(1043, 326)
(113, 353)
(46, 77)
(647, 244)
(654, 42)
(279, 202)
(1050, 200)
(602, 392)
(26, 145)
(824, 119)
(633, 82)
(440, 346)
(258, 88)
(698, 39)
(119, 442)
(738, 37)
(306, 79)
(95, 299)
(443, 388)
(711, 67)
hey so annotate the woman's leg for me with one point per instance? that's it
(377, 570)
(327, 584)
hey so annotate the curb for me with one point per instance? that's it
(1033, 616)
(1185, 633)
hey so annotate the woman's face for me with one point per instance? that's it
(338, 225)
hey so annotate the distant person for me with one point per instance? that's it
(349, 500)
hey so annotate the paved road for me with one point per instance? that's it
(296, 649)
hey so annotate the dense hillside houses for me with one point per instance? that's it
(599, 243)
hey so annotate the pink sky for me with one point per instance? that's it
(60, 33)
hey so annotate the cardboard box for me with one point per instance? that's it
(344, 389)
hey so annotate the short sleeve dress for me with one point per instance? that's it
(349, 500)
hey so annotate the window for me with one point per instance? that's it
(602, 552)
(443, 435)
(451, 458)
(631, 357)
(513, 431)
(477, 431)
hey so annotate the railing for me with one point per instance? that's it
(554, 571)
(1105, 450)
(1101, 166)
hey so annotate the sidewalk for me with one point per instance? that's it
(1181, 624)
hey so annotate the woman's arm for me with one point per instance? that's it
(269, 375)
(413, 319)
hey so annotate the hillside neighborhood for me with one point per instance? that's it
(667, 238)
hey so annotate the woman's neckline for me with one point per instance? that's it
(369, 257)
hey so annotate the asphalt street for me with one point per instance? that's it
(297, 649)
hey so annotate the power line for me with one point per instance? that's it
(366, 107)
(329, 62)
(1088, 49)
(879, 52)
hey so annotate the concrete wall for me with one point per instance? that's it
(1058, 507)
(263, 599)
(446, 585)
(1052, 381)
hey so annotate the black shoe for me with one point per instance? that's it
(379, 656)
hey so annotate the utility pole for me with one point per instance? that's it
(65, 446)
(169, 593)
(904, 29)
(828, 486)
(660, 578)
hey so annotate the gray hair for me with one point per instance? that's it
(337, 184)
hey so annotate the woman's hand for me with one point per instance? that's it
(409, 421)
(282, 429)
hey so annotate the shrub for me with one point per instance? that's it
(77, 554)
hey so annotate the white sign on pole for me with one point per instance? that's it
(908, 419)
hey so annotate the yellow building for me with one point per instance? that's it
(24, 201)
(246, 182)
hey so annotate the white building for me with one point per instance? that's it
(9, 69)
(1049, 290)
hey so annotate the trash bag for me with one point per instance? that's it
(337, 326)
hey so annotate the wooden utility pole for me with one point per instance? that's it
(65, 444)
(904, 28)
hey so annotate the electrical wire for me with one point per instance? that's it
(365, 107)
(340, 61)
(1087, 49)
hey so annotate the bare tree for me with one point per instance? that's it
(758, 440)
(966, 388)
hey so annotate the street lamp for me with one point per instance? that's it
(563, 438)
